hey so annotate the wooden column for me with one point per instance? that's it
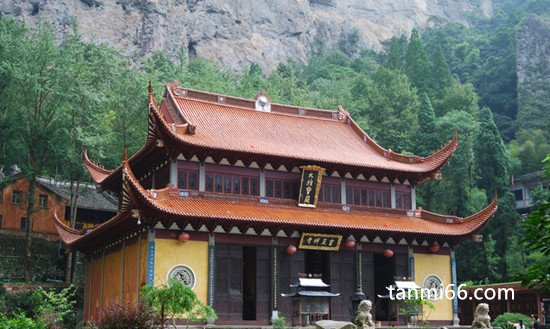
(343, 190)
(202, 177)
(392, 196)
(211, 268)
(262, 183)
(102, 283)
(413, 197)
(138, 276)
(456, 320)
(173, 173)
(151, 257)
(122, 272)
(274, 280)
(359, 294)
(411, 263)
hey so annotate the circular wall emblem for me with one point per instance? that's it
(182, 273)
(434, 285)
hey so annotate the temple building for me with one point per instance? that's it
(241, 198)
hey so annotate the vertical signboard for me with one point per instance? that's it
(310, 185)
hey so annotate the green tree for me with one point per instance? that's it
(441, 74)
(416, 63)
(492, 158)
(425, 140)
(536, 235)
(35, 100)
(176, 299)
(396, 53)
(391, 108)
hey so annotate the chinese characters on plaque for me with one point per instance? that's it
(310, 185)
(313, 241)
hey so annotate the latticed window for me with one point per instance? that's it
(188, 179)
(280, 188)
(43, 201)
(402, 200)
(330, 193)
(16, 197)
(23, 223)
(232, 184)
(368, 197)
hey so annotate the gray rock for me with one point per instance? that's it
(533, 71)
(329, 324)
(237, 32)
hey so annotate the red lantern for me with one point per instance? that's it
(434, 248)
(388, 253)
(291, 250)
(184, 236)
(350, 244)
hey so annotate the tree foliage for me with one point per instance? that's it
(176, 300)
(410, 98)
(536, 237)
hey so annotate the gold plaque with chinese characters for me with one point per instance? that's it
(314, 241)
(310, 185)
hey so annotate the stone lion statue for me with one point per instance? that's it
(364, 318)
(482, 320)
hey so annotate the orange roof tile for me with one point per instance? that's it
(204, 209)
(316, 136)
(195, 119)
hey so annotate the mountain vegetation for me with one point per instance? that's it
(60, 98)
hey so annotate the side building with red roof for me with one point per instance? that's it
(239, 198)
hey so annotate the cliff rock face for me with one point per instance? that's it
(238, 32)
(533, 69)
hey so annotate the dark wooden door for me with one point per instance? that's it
(289, 267)
(228, 297)
(342, 280)
(263, 283)
(367, 273)
(401, 266)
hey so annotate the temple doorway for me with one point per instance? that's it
(318, 263)
(249, 283)
(384, 272)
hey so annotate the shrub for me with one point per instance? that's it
(176, 300)
(280, 323)
(505, 318)
(20, 321)
(127, 315)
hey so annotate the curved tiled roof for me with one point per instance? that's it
(316, 135)
(97, 172)
(203, 209)
(194, 119)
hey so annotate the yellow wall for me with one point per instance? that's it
(440, 265)
(194, 254)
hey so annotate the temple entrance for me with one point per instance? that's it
(249, 283)
(318, 262)
(384, 272)
(242, 283)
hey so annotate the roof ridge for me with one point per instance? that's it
(485, 212)
(236, 104)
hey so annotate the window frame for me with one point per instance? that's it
(223, 180)
(16, 197)
(188, 173)
(368, 193)
(41, 203)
